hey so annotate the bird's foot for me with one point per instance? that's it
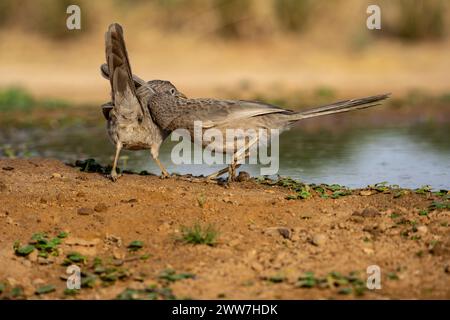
(113, 176)
(165, 175)
(212, 180)
(200, 179)
(231, 174)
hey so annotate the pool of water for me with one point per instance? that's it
(410, 156)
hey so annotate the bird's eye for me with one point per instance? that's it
(172, 91)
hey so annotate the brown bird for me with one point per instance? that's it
(129, 122)
(142, 118)
(171, 110)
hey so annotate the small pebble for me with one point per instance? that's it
(257, 266)
(129, 201)
(422, 229)
(100, 207)
(85, 211)
(234, 242)
(243, 176)
(285, 232)
(368, 212)
(278, 231)
(319, 239)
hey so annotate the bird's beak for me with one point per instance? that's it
(182, 95)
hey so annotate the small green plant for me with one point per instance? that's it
(145, 256)
(149, 293)
(199, 235)
(278, 278)
(340, 193)
(23, 250)
(45, 289)
(2, 287)
(135, 245)
(423, 190)
(392, 276)
(395, 216)
(62, 235)
(439, 205)
(71, 292)
(399, 193)
(171, 276)
(111, 275)
(17, 292)
(442, 193)
(74, 257)
(345, 284)
(42, 243)
(88, 280)
(307, 281)
(380, 186)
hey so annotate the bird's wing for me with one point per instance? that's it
(122, 85)
(214, 113)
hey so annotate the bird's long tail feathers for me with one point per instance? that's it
(341, 106)
(119, 70)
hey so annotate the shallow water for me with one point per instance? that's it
(409, 156)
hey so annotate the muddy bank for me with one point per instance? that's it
(257, 241)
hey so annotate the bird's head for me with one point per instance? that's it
(162, 86)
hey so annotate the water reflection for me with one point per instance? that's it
(409, 156)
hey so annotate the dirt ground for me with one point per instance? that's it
(265, 242)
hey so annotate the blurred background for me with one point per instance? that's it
(293, 53)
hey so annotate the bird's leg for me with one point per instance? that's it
(164, 173)
(113, 175)
(154, 153)
(217, 174)
(243, 153)
(232, 170)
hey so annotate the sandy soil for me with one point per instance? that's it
(265, 242)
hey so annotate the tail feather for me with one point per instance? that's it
(341, 106)
(117, 60)
(119, 71)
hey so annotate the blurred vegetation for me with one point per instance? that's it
(47, 17)
(293, 15)
(15, 98)
(417, 19)
(230, 15)
(412, 20)
(18, 99)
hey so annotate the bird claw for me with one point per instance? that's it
(165, 175)
(113, 176)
